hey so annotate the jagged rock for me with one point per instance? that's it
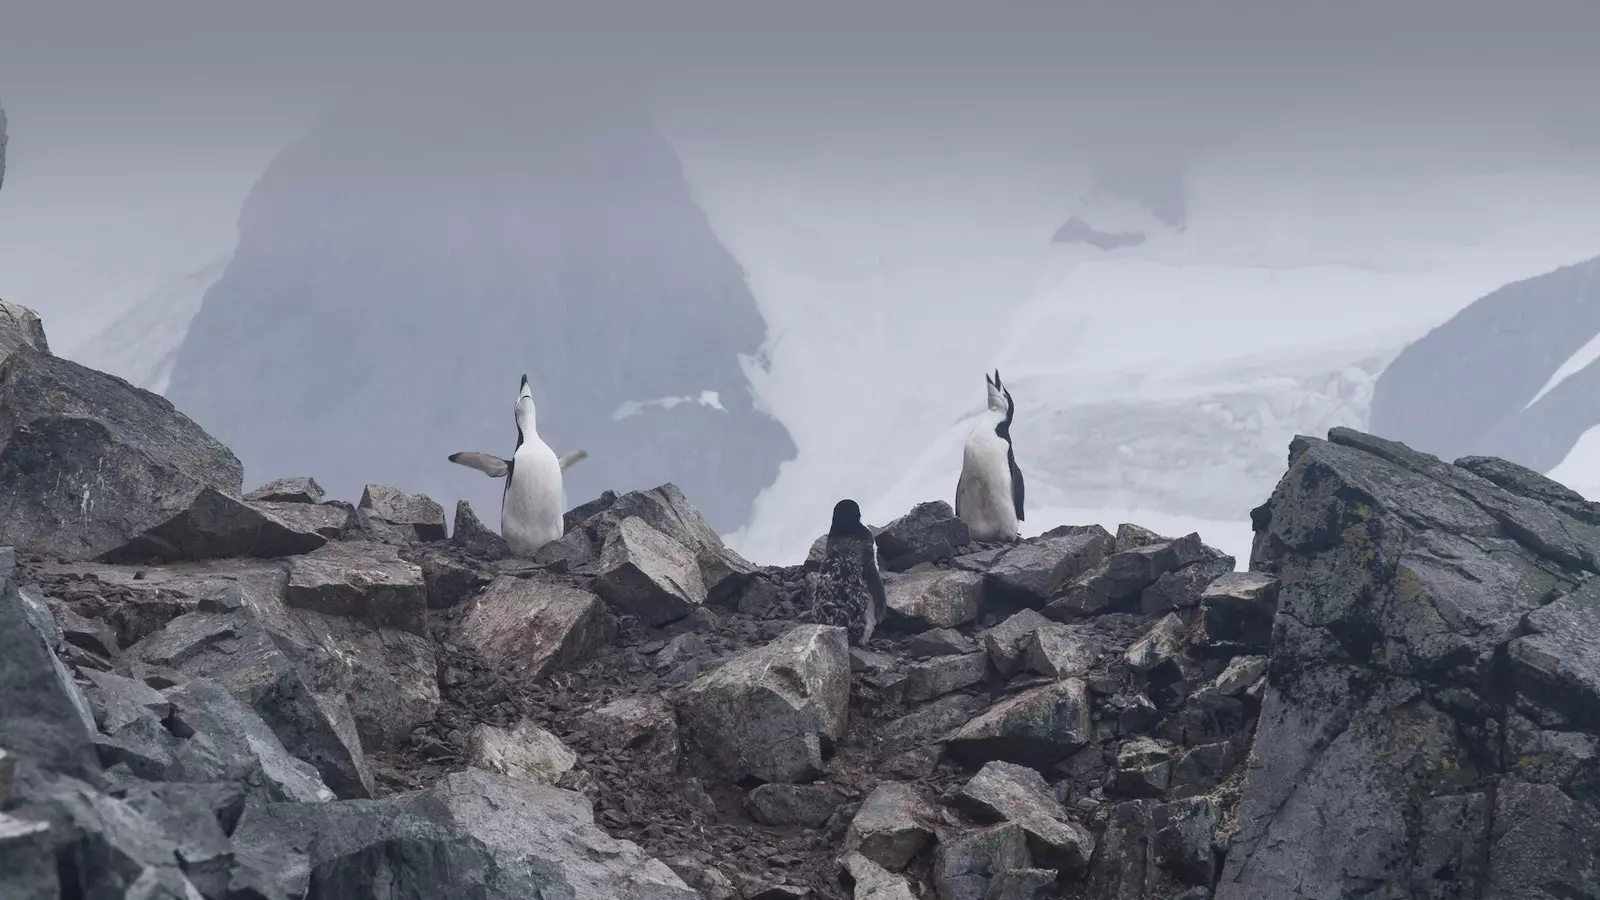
(645, 726)
(1119, 581)
(644, 573)
(225, 741)
(1007, 642)
(892, 826)
(102, 846)
(1020, 884)
(193, 817)
(89, 461)
(667, 511)
(42, 715)
(709, 881)
(767, 712)
(966, 865)
(1405, 581)
(806, 805)
(27, 857)
(1060, 651)
(237, 650)
(78, 632)
(941, 598)
(216, 526)
(527, 752)
(940, 676)
(1035, 570)
(473, 833)
(289, 490)
(535, 626)
(1162, 643)
(1037, 727)
(1152, 849)
(369, 583)
(1131, 536)
(940, 642)
(1144, 768)
(1237, 611)
(1558, 661)
(389, 513)
(871, 881)
(1182, 589)
(20, 326)
(930, 532)
(1005, 792)
(119, 702)
(471, 535)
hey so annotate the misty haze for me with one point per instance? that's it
(1298, 318)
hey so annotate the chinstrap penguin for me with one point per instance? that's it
(534, 498)
(989, 492)
(847, 589)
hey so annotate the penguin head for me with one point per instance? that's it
(999, 397)
(525, 410)
(846, 518)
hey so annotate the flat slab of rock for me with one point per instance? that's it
(473, 833)
(767, 712)
(1007, 792)
(527, 752)
(90, 462)
(1038, 727)
(289, 490)
(644, 573)
(1559, 662)
(217, 526)
(892, 826)
(535, 626)
(940, 642)
(390, 513)
(1118, 582)
(366, 582)
(1037, 569)
(942, 598)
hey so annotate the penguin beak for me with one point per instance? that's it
(524, 380)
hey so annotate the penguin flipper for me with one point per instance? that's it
(572, 458)
(961, 484)
(1016, 484)
(492, 466)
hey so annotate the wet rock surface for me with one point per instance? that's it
(1400, 701)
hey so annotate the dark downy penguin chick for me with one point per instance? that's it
(847, 589)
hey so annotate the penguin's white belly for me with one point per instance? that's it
(535, 498)
(984, 492)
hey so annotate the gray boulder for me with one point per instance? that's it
(768, 712)
(1007, 792)
(537, 625)
(937, 598)
(223, 741)
(939, 676)
(666, 511)
(930, 532)
(892, 826)
(646, 574)
(388, 513)
(1037, 569)
(1007, 642)
(527, 752)
(365, 582)
(806, 805)
(473, 833)
(91, 462)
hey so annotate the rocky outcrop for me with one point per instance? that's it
(584, 225)
(1432, 650)
(1475, 385)
(1401, 699)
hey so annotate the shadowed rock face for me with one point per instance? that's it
(405, 263)
(1468, 386)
